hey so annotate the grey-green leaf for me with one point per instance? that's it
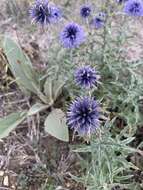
(53, 88)
(10, 122)
(55, 125)
(48, 89)
(20, 66)
(57, 88)
(36, 108)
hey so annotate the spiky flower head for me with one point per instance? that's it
(72, 35)
(134, 8)
(99, 20)
(83, 116)
(85, 11)
(86, 77)
(43, 13)
(56, 14)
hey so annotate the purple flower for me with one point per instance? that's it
(86, 77)
(97, 22)
(56, 14)
(134, 8)
(72, 35)
(41, 12)
(85, 11)
(83, 116)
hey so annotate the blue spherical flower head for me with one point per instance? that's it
(97, 22)
(37, 11)
(85, 11)
(72, 35)
(134, 8)
(41, 12)
(86, 77)
(55, 14)
(83, 116)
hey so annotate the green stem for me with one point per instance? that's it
(105, 31)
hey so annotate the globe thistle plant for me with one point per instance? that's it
(134, 8)
(86, 77)
(83, 116)
(43, 13)
(85, 11)
(72, 35)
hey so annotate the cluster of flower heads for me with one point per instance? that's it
(84, 112)
(43, 13)
(97, 21)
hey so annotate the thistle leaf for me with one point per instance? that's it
(10, 122)
(55, 125)
(20, 66)
(36, 108)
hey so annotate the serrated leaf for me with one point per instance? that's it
(37, 108)
(55, 125)
(10, 122)
(20, 66)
